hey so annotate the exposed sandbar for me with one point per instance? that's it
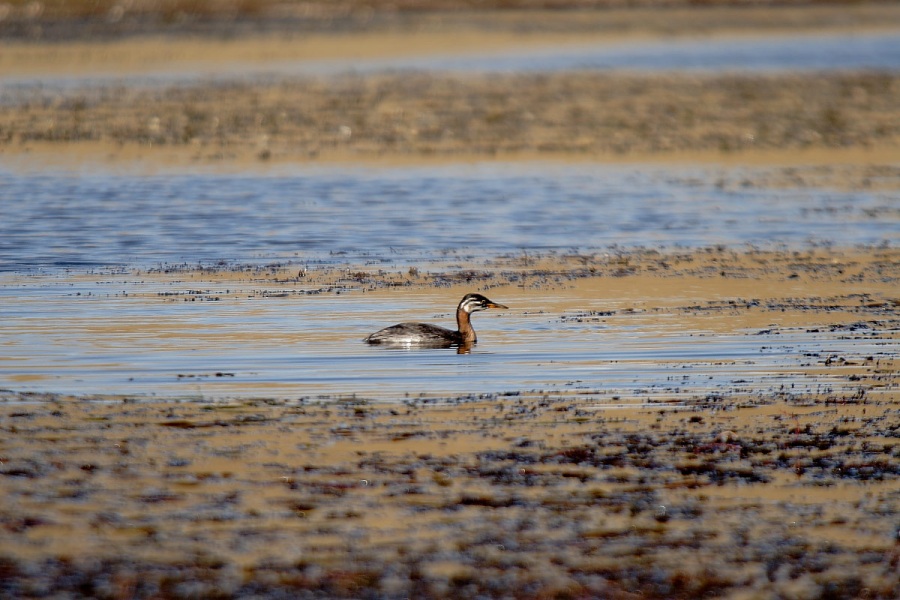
(562, 116)
(779, 118)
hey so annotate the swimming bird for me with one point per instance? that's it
(423, 335)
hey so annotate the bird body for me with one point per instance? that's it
(416, 334)
(423, 335)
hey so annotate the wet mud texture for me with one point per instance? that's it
(523, 494)
(428, 115)
(515, 497)
(110, 19)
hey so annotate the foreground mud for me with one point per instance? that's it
(525, 494)
(522, 497)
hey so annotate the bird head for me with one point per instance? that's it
(475, 302)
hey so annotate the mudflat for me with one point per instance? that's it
(748, 493)
(427, 115)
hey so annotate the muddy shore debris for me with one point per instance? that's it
(526, 494)
(538, 497)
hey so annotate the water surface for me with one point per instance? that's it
(188, 339)
(102, 219)
(770, 53)
(79, 318)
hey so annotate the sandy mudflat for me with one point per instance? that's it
(744, 494)
(525, 494)
(426, 117)
(436, 22)
(440, 116)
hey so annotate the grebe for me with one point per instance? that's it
(424, 335)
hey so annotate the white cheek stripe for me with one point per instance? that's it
(470, 305)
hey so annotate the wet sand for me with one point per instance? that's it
(531, 494)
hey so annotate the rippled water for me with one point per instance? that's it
(100, 219)
(122, 336)
(113, 333)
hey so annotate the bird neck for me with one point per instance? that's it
(464, 324)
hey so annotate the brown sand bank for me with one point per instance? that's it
(105, 20)
(627, 279)
(524, 494)
(566, 116)
(423, 116)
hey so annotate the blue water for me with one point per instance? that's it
(78, 319)
(118, 335)
(842, 51)
(100, 219)
(773, 53)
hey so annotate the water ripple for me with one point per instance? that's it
(100, 220)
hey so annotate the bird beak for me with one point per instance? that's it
(495, 305)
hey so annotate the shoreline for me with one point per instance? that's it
(147, 159)
(421, 117)
(543, 495)
(539, 494)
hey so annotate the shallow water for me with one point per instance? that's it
(100, 219)
(769, 53)
(114, 333)
(121, 335)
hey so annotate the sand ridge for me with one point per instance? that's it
(587, 116)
